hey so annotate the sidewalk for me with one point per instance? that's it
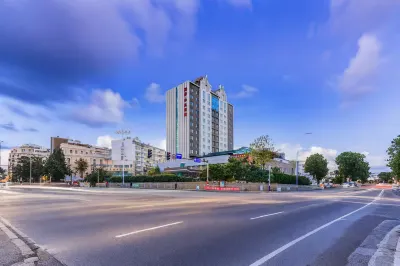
(9, 253)
(16, 249)
(380, 248)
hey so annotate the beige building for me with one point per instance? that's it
(28, 150)
(94, 156)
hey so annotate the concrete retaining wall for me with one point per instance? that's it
(193, 186)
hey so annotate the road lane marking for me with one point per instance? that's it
(288, 245)
(266, 215)
(148, 229)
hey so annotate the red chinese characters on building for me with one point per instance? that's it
(185, 101)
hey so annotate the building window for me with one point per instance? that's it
(76, 152)
(70, 151)
(81, 152)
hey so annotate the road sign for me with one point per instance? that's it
(197, 160)
(179, 156)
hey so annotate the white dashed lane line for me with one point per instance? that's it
(148, 229)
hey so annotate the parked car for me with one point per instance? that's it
(346, 185)
(327, 185)
(353, 184)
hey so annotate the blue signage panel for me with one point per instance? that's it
(178, 156)
(197, 160)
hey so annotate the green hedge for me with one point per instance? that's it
(289, 179)
(255, 176)
(155, 178)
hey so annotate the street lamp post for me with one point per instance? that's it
(208, 171)
(123, 133)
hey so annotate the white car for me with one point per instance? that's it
(346, 185)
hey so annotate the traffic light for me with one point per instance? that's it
(149, 153)
(168, 156)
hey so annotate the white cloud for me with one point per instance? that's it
(153, 93)
(358, 16)
(104, 141)
(246, 92)
(4, 158)
(105, 107)
(291, 151)
(134, 103)
(360, 74)
(375, 161)
(163, 144)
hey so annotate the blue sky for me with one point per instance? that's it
(82, 69)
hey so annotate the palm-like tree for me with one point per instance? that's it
(81, 166)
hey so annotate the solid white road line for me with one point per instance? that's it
(288, 245)
(148, 229)
(266, 215)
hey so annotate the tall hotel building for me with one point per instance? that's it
(199, 120)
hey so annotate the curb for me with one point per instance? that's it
(29, 255)
(378, 248)
(28, 247)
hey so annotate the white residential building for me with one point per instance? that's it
(199, 120)
(133, 154)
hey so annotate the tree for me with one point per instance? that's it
(338, 179)
(218, 172)
(154, 171)
(394, 157)
(317, 166)
(55, 166)
(353, 165)
(81, 166)
(276, 170)
(99, 174)
(385, 176)
(27, 167)
(262, 151)
(2, 171)
(236, 168)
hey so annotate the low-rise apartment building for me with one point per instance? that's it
(93, 155)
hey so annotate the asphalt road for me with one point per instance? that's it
(149, 227)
